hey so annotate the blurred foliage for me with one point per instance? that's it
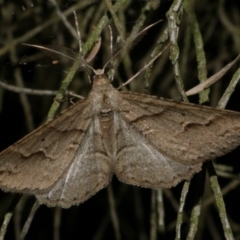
(41, 22)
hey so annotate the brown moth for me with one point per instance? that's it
(146, 141)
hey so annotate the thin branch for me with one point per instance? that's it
(126, 45)
(153, 216)
(29, 220)
(133, 36)
(174, 16)
(23, 98)
(94, 50)
(219, 201)
(198, 41)
(79, 38)
(115, 19)
(160, 211)
(39, 28)
(35, 91)
(186, 50)
(145, 67)
(213, 79)
(57, 223)
(161, 40)
(8, 215)
(196, 211)
(64, 19)
(180, 211)
(228, 92)
(113, 212)
(101, 25)
(229, 187)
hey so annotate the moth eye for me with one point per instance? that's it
(42, 139)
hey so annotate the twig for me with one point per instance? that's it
(153, 216)
(64, 19)
(170, 197)
(101, 25)
(213, 79)
(35, 91)
(180, 211)
(5, 223)
(102, 226)
(139, 213)
(61, 92)
(213, 226)
(115, 19)
(225, 170)
(161, 212)
(174, 16)
(219, 201)
(17, 216)
(39, 28)
(228, 92)
(229, 187)
(196, 211)
(113, 212)
(94, 50)
(122, 51)
(161, 40)
(185, 50)
(8, 215)
(29, 220)
(128, 44)
(145, 67)
(79, 38)
(198, 41)
(23, 98)
(57, 223)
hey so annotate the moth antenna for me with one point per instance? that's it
(57, 53)
(95, 48)
(80, 46)
(145, 67)
(112, 71)
(67, 55)
(131, 40)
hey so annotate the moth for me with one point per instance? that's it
(144, 140)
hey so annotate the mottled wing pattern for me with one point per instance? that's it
(140, 163)
(144, 140)
(37, 161)
(186, 133)
(90, 171)
(161, 142)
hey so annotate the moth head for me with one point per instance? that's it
(98, 72)
(100, 80)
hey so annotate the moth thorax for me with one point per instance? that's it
(106, 114)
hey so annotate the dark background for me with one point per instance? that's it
(36, 22)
